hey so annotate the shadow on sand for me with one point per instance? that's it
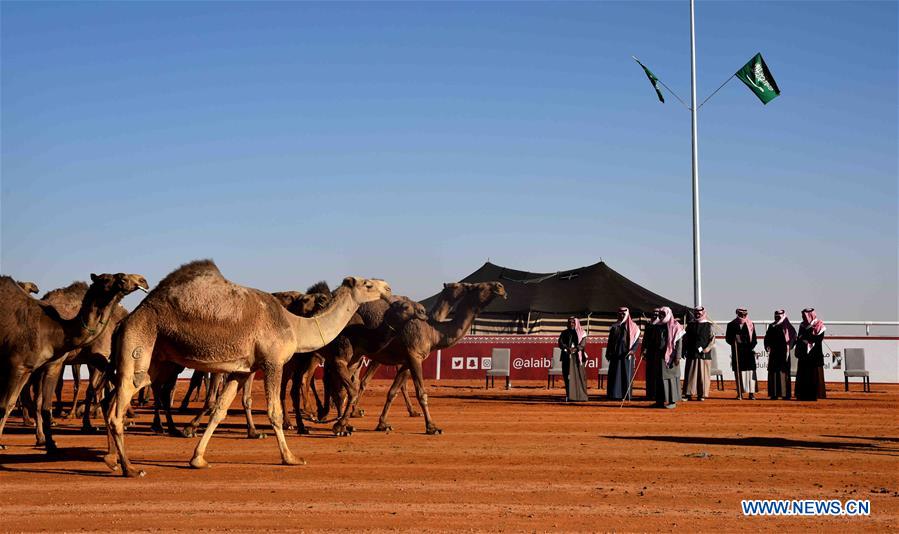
(767, 441)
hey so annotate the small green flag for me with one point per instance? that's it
(652, 79)
(758, 78)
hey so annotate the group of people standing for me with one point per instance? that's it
(666, 342)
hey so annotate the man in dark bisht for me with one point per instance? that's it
(572, 342)
(666, 358)
(741, 337)
(652, 342)
(699, 341)
(810, 355)
(623, 338)
(780, 338)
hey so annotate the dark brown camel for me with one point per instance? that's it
(32, 335)
(413, 345)
(450, 295)
(196, 318)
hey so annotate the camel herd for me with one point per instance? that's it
(195, 318)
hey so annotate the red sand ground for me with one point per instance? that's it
(509, 460)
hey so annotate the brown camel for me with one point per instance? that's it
(32, 335)
(373, 329)
(196, 318)
(297, 303)
(414, 343)
(95, 355)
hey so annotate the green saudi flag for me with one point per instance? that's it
(652, 79)
(758, 78)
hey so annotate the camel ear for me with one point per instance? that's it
(94, 277)
(445, 285)
(349, 281)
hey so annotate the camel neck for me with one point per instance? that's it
(449, 333)
(317, 331)
(93, 317)
(441, 309)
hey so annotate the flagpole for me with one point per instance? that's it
(697, 271)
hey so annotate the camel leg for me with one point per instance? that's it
(57, 390)
(398, 381)
(318, 400)
(418, 379)
(15, 381)
(94, 386)
(276, 414)
(196, 382)
(76, 388)
(298, 388)
(346, 377)
(219, 412)
(51, 377)
(26, 399)
(134, 371)
(212, 395)
(247, 385)
(288, 374)
(164, 382)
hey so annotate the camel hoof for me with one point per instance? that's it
(40, 442)
(358, 413)
(292, 460)
(383, 427)
(343, 430)
(434, 431)
(189, 432)
(157, 429)
(199, 462)
(2, 447)
(289, 427)
(414, 414)
(111, 461)
(90, 429)
(134, 473)
(258, 435)
(303, 431)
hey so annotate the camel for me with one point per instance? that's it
(412, 346)
(295, 302)
(449, 296)
(32, 335)
(196, 318)
(95, 355)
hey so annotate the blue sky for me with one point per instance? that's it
(293, 142)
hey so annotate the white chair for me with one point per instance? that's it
(556, 369)
(604, 369)
(499, 366)
(854, 360)
(716, 371)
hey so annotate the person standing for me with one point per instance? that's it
(651, 343)
(810, 355)
(698, 344)
(666, 358)
(780, 338)
(572, 341)
(741, 337)
(623, 338)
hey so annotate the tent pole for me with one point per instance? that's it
(697, 271)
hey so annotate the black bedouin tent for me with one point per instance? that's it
(540, 303)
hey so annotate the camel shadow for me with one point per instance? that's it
(766, 441)
(66, 454)
(549, 398)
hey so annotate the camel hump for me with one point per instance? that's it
(198, 291)
(66, 300)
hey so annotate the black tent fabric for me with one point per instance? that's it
(540, 302)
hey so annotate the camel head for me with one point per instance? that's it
(404, 309)
(29, 287)
(367, 290)
(487, 291)
(119, 284)
(453, 291)
(302, 304)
